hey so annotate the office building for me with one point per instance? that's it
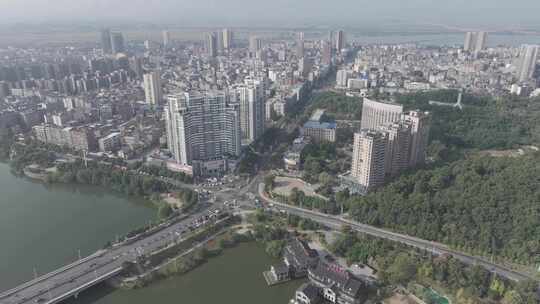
(420, 124)
(211, 44)
(475, 41)
(227, 39)
(203, 130)
(368, 161)
(152, 88)
(117, 43)
(106, 41)
(526, 64)
(376, 114)
(251, 98)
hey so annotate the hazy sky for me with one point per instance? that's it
(488, 13)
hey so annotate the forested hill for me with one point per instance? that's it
(484, 205)
(484, 123)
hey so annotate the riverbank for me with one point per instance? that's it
(184, 255)
(43, 227)
(234, 276)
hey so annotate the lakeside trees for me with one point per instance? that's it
(122, 181)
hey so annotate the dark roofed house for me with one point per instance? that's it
(280, 272)
(307, 294)
(338, 285)
(299, 257)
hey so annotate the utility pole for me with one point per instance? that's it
(35, 273)
(79, 253)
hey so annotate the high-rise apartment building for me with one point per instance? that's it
(117, 43)
(255, 45)
(152, 88)
(227, 39)
(106, 41)
(211, 44)
(528, 57)
(397, 148)
(340, 40)
(166, 36)
(475, 41)
(481, 41)
(420, 124)
(368, 162)
(203, 129)
(251, 98)
(342, 76)
(326, 52)
(300, 45)
(376, 113)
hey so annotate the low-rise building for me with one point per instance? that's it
(293, 156)
(336, 284)
(307, 294)
(111, 142)
(318, 129)
(299, 257)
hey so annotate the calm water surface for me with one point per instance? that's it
(44, 227)
(232, 278)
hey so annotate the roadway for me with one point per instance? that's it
(337, 222)
(67, 281)
(71, 279)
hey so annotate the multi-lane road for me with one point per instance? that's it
(337, 222)
(71, 279)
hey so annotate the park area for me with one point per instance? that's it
(284, 185)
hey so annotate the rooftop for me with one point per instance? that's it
(319, 125)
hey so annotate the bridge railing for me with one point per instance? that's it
(46, 276)
(85, 286)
